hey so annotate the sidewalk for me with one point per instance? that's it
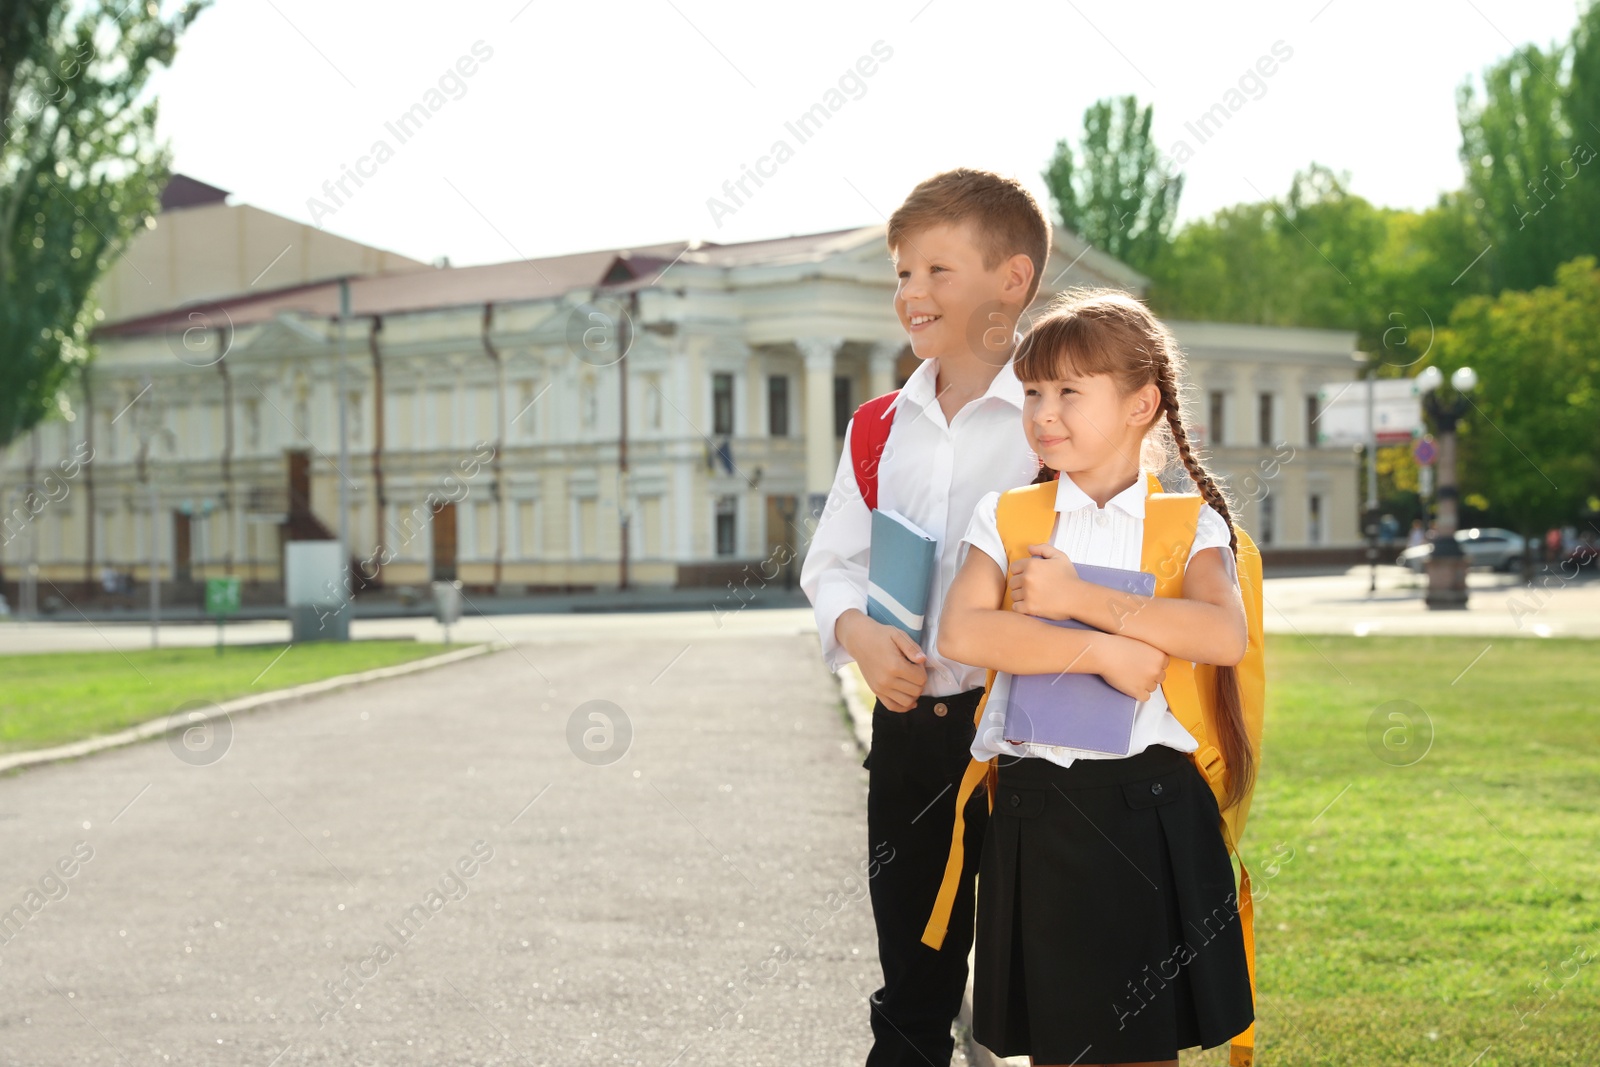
(690, 893)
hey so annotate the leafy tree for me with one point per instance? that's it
(1324, 257)
(1518, 149)
(1582, 113)
(1114, 192)
(1530, 444)
(1306, 259)
(79, 172)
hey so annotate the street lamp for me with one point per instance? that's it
(1447, 564)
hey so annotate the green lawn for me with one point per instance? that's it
(50, 698)
(1423, 913)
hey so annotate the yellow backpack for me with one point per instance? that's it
(1026, 516)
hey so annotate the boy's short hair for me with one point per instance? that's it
(1007, 217)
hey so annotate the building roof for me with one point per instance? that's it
(518, 280)
(544, 278)
(182, 191)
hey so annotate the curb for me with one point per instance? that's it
(159, 726)
(851, 686)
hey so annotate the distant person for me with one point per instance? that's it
(1418, 534)
(969, 248)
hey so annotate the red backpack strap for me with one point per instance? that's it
(868, 434)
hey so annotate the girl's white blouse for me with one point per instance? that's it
(1112, 536)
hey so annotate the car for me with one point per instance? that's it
(1484, 546)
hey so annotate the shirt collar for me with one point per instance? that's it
(920, 388)
(1131, 500)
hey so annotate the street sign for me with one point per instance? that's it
(1425, 451)
(222, 600)
(222, 596)
(1396, 412)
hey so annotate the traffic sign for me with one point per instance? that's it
(1425, 451)
(222, 596)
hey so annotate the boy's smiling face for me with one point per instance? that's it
(1085, 422)
(948, 302)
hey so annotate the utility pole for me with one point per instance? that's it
(344, 439)
(146, 421)
(624, 342)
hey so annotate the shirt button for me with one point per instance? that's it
(1015, 800)
(1155, 790)
(1100, 518)
(941, 709)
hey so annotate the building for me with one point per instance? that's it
(495, 436)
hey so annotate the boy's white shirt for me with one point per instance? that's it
(933, 473)
(1112, 536)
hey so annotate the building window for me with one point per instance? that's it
(1264, 419)
(1314, 528)
(727, 529)
(778, 405)
(722, 404)
(1313, 413)
(1269, 515)
(842, 408)
(1216, 416)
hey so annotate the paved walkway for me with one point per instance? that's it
(446, 846)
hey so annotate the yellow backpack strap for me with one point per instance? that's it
(1242, 1049)
(1170, 521)
(1026, 517)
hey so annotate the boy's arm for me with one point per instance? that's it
(834, 578)
(1205, 625)
(834, 574)
(973, 629)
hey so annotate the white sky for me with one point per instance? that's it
(608, 125)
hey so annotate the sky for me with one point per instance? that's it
(557, 128)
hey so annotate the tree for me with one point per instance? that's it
(1530, 444)
(79, 171)
(1519, 155)
(1307, 259)
(1115, 192)
(1582, 113)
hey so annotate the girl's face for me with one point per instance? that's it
(1085, 422)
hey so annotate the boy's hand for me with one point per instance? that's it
(1046, 584)
(1132, 667)
(889, 660)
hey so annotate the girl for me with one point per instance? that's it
(1107, 924)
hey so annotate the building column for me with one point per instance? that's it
(819, 353)
(880, 366)
(1292, 403)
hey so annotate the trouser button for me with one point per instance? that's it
(1015, 800)
(941, 709)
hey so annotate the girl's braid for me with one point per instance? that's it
(1209, 490)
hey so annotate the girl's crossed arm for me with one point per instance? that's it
(1205, 625)
(973, 629)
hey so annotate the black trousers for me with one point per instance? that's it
(915, 766)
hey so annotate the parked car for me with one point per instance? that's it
(1485, 546)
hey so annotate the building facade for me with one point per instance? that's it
(494, 433)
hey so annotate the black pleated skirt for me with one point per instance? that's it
(1107, 926)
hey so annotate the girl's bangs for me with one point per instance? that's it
(1065, 346)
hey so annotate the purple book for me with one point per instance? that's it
(1077, 710)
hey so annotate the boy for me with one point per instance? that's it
(968, 247)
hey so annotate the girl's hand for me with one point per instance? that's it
(1133, 667)
(1046, 584)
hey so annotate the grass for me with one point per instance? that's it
(55, 697)
(1442, 911)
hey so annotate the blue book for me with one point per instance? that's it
(899, 572)
(1077, 710)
